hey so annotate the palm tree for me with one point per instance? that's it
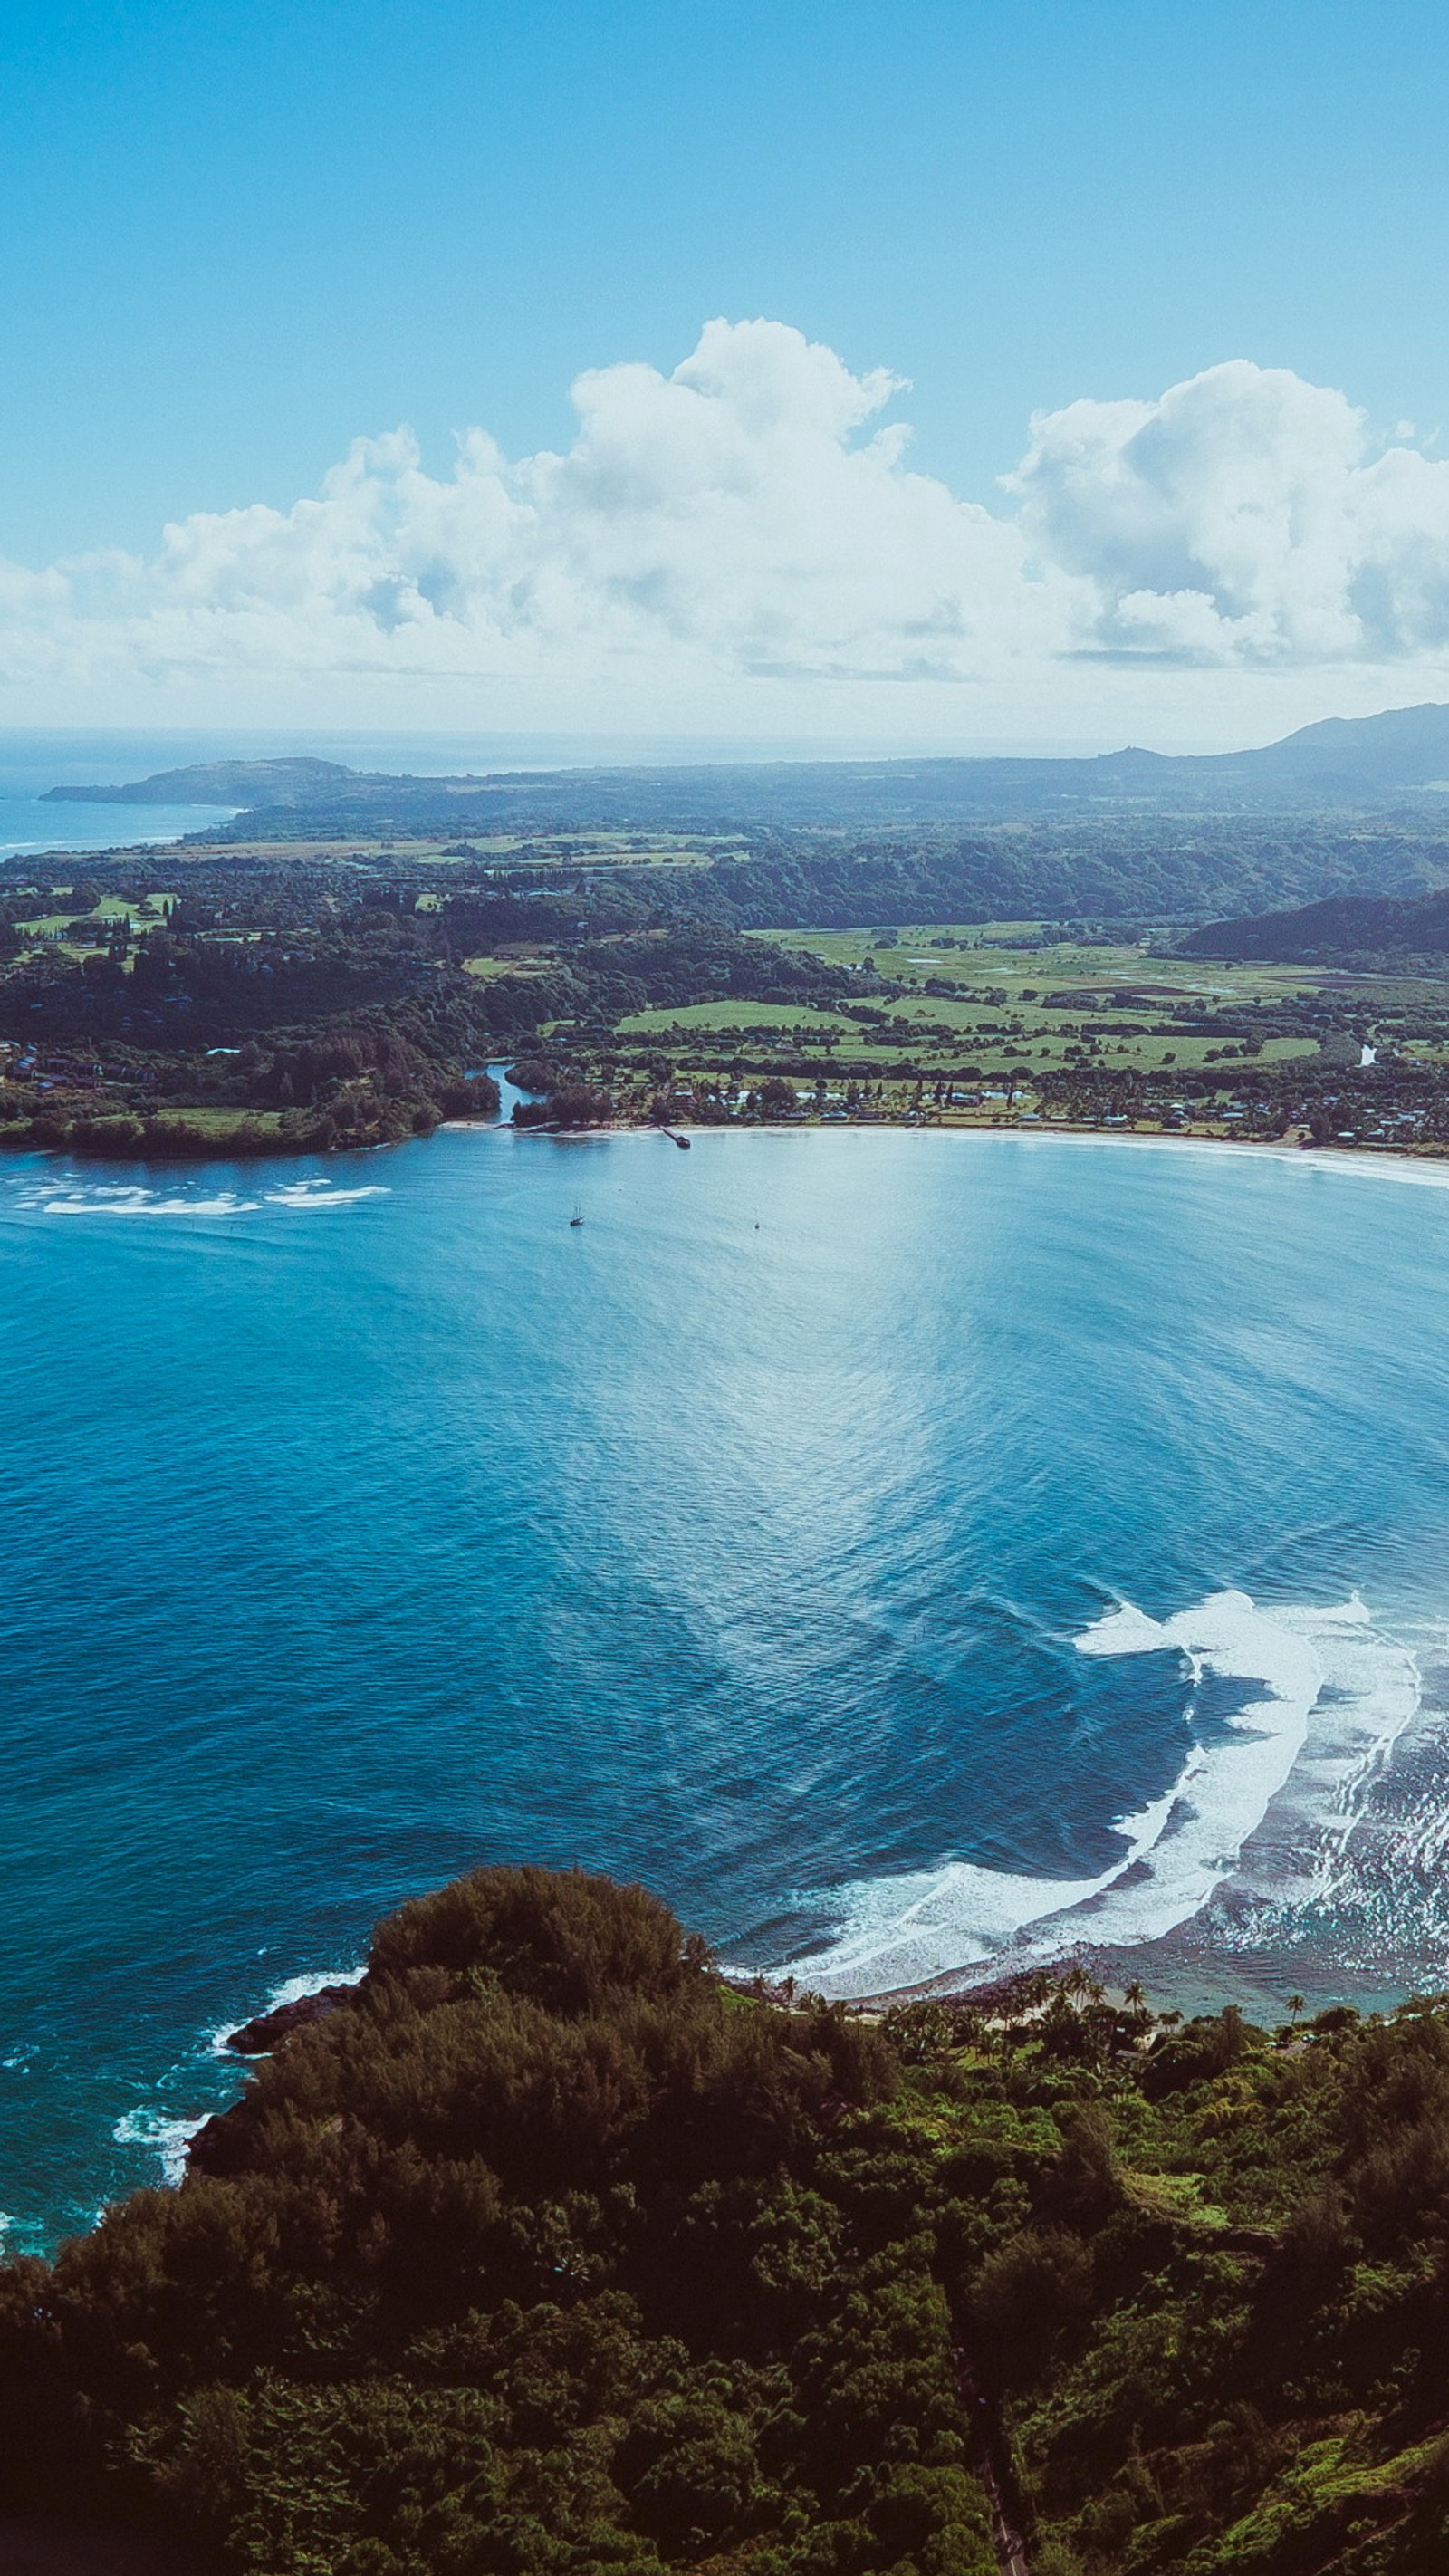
(1295, 2005)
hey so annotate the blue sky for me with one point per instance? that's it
(240, 237)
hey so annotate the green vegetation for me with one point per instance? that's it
(1365, 933)
(546, 2250)
(730, 1016)
(306, 1000)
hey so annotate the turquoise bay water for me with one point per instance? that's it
(847, 1534)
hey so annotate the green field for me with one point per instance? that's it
(222, 1123)
(731, 1015)
(529, 962)
(217, 1126)
(1006, 956)
(546, 851)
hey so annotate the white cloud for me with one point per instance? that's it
(743, 533)
(1242, 518)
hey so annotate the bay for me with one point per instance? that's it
(908, 1553)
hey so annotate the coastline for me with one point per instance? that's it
(1397, 1161)
(1394, 1160)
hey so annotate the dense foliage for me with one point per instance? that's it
(547, 2250)
(1367, 933)
(337, 997)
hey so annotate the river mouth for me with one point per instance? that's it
(913, 1556)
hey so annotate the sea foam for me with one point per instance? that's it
(167, 2138)
(292, 1990)
(135, 1199)
(1332, 1695)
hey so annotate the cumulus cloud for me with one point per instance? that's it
(741, 513)
(749, 518)
(1243, 517)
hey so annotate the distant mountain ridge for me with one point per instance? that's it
(1406, 747)
(1351, 762)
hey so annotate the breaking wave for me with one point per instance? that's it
(292, 1990)
(167, 2138)
(1289, 1767)
(133, 1199)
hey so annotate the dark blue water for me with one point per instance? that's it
(364, 1521)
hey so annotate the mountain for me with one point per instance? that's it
(1345, 929)
(1406, 749)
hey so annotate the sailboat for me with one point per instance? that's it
(578, 1215)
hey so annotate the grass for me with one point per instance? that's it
(145, 912)
(217, 1125)
(729, 1015)
(527, 962)
(1077, 966)
(587, 849)
(221, 1122)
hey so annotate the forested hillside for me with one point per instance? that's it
(546, 2250)
(1364, 933)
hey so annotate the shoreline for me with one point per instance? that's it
(1395, 1160)
(1389, 1162)
(1402, 1162)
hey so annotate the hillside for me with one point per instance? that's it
(215, 782)
(545, 2250)
(1405, 748)
(1344, 930)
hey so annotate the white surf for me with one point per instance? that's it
(1332, 1695)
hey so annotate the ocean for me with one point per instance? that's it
(912, 1554)
(32, 762)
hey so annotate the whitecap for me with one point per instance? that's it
(905, 1931)
(322, 1194)
(292, 1990)
(54, 1197)
(146, 1203)
(168, 2139)
(1334, 1695)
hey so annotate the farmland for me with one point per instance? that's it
(300, 992)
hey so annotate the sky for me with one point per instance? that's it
(954, 375)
